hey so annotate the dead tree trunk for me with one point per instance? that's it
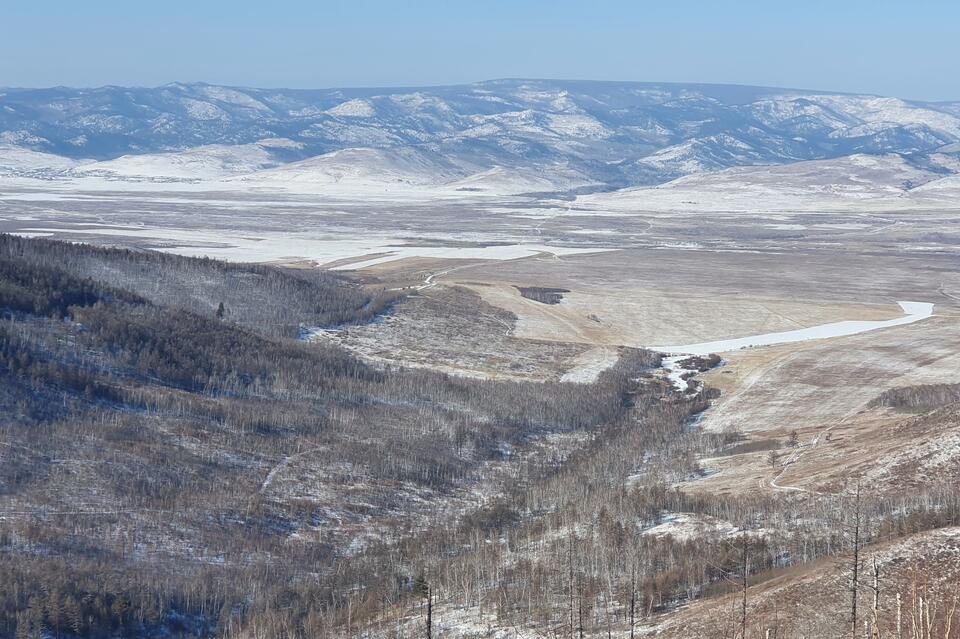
(899, 617)
(579, 608)
(570, 586)
(745, 564)
(429, 613)
(855, 568)
(875, 622)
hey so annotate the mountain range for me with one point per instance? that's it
(547, 135)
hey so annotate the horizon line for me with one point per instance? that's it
(402, 87)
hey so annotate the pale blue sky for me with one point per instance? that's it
(906, 49)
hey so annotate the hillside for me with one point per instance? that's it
(209, 162)
(19, 161)
(217, 452)
(359, 169)
(844, 183)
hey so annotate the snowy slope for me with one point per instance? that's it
(946, 187)
(857, 175)
(21, 162)
(834, 182)
(510, 181)
(358, 168)
(411, 170)
(200, 164)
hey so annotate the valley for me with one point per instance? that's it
(546, 361)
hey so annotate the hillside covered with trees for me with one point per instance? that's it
(176, 462)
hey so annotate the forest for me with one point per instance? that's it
(176, 462)
(542, 294)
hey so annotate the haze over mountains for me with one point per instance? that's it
(509, 136)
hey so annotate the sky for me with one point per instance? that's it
(904, 49)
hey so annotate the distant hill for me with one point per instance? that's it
(564, 134)
(882, 180)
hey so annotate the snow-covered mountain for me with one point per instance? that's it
(545, 134)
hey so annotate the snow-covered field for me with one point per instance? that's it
(496, 252)
(273, 247)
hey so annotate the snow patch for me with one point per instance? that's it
(690, 526)
(353, 109)
(587, 367)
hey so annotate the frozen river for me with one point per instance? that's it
(914, 312)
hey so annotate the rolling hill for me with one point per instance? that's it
(613, 134)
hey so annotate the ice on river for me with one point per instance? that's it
(915, 311)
